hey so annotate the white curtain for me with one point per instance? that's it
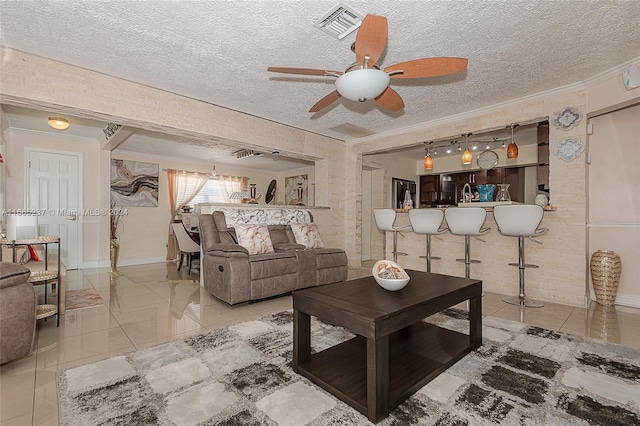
(231, 184)
(183, 186)
(187, 186)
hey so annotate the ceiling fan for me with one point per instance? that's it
(365, 80)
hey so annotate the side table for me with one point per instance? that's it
(45, 277)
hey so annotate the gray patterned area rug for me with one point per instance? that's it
(241, 375)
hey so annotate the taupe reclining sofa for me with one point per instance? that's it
(234, 276)
(17, 312)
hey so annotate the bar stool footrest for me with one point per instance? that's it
(470, 261)
(432, 257)
(401, 254)
(523, 301)
(526, 265)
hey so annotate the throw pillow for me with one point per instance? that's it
(255, 238)
(307, 234)
(34, 254)
(22, 255)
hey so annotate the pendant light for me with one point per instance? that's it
(512, 149)
(467, 157)
(428, 160)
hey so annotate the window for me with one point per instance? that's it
(219, 190)
(210, 193)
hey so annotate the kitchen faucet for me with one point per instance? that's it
(464, 189)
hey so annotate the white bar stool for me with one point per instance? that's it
(520, 220)
(384, 221)
(427, 222)
(466, 221)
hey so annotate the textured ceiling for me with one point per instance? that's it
(218, 51)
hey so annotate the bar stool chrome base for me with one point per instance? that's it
(520, 221)
(523, 300)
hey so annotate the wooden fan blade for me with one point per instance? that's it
(428, 67)
(304, 71)
(371, 39)
(390, 99)
(326, 101)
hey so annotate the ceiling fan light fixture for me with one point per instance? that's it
(58, 123)
(361, 85)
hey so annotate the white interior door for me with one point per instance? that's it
(614, 199)
(53, 189)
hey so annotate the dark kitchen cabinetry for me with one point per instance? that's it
(446, 189)
(543, 157)
(436, 190)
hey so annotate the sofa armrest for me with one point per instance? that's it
(12, 274)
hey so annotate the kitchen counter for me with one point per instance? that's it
(494, 250)
(488, 206)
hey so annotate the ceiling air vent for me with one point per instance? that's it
(340, 21)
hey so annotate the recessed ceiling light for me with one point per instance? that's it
(58, 123)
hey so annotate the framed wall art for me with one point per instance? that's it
(134, 184)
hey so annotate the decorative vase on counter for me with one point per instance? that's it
(252, 193)
(300, 193)
(486, 191)
(606, 267)
(503, 192)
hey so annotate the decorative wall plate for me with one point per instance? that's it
(567, 118)
(271, 192)
(569, 149)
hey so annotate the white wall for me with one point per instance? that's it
(143, 236)
(93, 192)
(146, 228)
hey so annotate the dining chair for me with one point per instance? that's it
(186, 245)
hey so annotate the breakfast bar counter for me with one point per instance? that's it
(495, 252)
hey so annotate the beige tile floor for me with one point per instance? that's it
(145, 307)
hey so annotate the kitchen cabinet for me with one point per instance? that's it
(436, 190)
(447, 189)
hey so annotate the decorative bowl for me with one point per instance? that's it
(389, 275)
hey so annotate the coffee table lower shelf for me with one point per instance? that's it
(417, 354)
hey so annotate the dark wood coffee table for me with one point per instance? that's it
(394, 353)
